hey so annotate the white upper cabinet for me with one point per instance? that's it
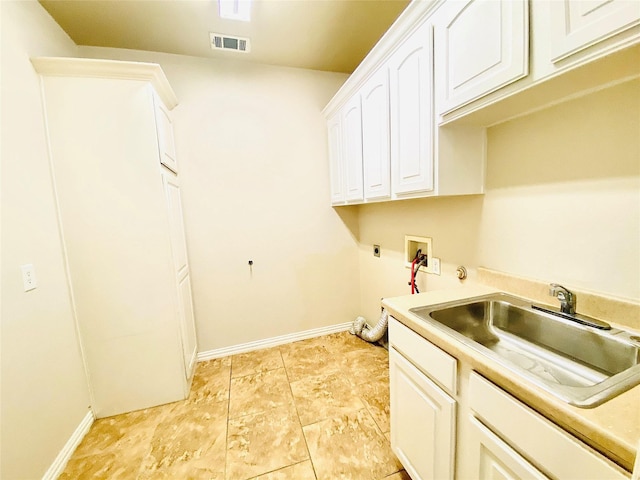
(578, 24)
(375, 136)
(336, 165)
(481, 46)
(411, 104)
(352, 149)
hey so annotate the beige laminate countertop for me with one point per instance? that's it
(612, 428)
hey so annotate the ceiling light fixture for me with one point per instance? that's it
(235, 9)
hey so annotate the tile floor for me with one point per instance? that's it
(317, 409)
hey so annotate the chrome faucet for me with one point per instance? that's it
(567, 299)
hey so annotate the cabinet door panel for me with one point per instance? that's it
(411, 102)
(181, 271)
(166, 142)
(336, 163)
(352, 141)
(422, 422)
(493, 459)
(176, 223)
(578, 24)
(375, 136)
(187, 326)
(482, 45)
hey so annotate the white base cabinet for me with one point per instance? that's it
(423, 417)
(121, 222)
(423, 412)
(448, 421)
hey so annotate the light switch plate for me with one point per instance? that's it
(28, 277)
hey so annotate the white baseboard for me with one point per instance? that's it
(58, 465)
(272, 342)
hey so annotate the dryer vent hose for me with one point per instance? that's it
(361, 329)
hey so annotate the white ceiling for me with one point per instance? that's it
(331, 35)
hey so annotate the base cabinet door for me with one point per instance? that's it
(422, 422)
(489, 458)
(578, 24)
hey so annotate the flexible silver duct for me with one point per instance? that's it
(361, 329)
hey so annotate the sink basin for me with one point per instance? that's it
(582, 365)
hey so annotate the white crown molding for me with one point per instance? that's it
(411, 18)
(272, 342)
(60, 462)
(98, 68)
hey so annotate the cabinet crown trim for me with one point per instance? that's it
(99, 68)
(409, 20)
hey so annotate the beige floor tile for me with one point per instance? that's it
(344, 342)
(261, 443)
(363, 365)
(299, 471)
(192, 439)
(350, 447)
(211, 381)
(101, 466)
(310, 360)
(256, 362)
(260, 392)
(375, 395)
(130, 432)
(324, 396)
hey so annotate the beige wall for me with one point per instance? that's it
(562, 204)
(252, 152)
(44, 392)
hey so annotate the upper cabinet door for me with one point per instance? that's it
(166, 144)
(336, 163)
(411, 104)
(352, 141)
(375, 136)
(481, 45)
(578, 24)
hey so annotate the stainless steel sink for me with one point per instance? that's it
(581, 365)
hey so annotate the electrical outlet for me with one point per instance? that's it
(28, 277)
(376, 250)
(435, 265)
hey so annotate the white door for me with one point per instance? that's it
(422, 422)
(166, 142)
(375, 136)
(411, 104)
(352, 141)
(181, 266)
(490, 458)
(578, 24)
(481, 46)
(336, 163)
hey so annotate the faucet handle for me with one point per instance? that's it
(566, 297)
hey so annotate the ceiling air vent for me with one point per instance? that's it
(227, 42)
